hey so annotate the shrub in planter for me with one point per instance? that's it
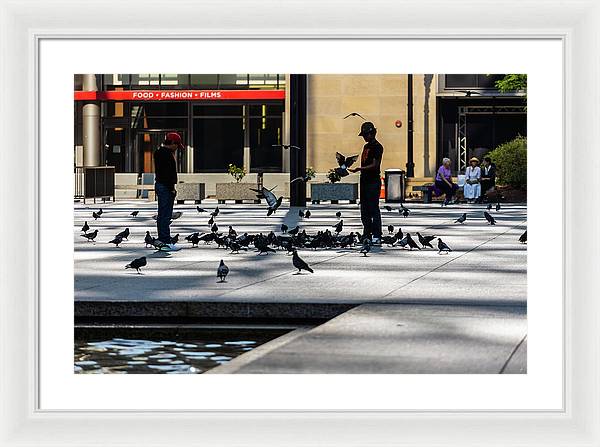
(237, 173)
(333, 176)
(511, 162)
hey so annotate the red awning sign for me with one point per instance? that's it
(180, 95)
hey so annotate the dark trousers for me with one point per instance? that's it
(166, 198)
(448, 190)
(369, 207)
(485, 186)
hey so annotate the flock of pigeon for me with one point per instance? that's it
(288, 239)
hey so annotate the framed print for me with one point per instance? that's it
(299, 224)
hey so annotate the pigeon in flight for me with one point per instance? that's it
(95, 215)
(461, 219)
(222, 271)
(137, 264)
(523, 238)
(366, 247)
(489, 218)
(344, 163)
(134, 213)
(304, 178)
(299, 263)
(442, 246)
(85, 227)
(498, 206)
(284, 228)
(425, 240)
(124, 234)
(354, 114)
(272, 201)
(90, 236)
(390, 229)
(338, 214)
(200, 210)
(286, 146)
(117, 240)
(339, 226)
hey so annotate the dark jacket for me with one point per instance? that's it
(371, 151)
(165, 167)
(489, 172)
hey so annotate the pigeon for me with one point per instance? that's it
(236, 247)
(461, 219)
(339, 226)
(134, 213)
(523, 238)
(263, 248)
(344, 163)
(399, 235)
(137, 264)
(411, 242)
(189, 237)
(294, 231)
(215, 213)
(354, 114)
(272, 201)
(124, 234)
(214, 228)
(366, 247)
(90, 236)
(425, 240)
(85, 227)
(489, 206)
(284, 228)
(95, 215)
(207, 238)
(200, 210)
(222, 271)
(194, 239)
(307, 214)
(300, 213)
(176, 215)
(390, 229)
(442, 246)
(148, 240)
(117, 240)
(388, 208)
(497, 206)
(299, 263)
(100, 211)
(175, 239)
(286, 146)
(405, 212)
(338, 214)
(211, 221)
(232, 232)
(389, 240)
(305, 179)
(489, 218)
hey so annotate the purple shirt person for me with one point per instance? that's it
(443, 181)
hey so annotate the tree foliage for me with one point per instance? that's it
(511, 162)
(512, 83)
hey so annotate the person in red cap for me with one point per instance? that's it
(165, 166)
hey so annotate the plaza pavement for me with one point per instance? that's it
(467, 309)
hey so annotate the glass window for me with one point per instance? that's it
(481, 81)
(264, 133)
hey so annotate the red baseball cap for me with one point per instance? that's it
(174, 138)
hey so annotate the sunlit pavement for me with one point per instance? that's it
(472, 300)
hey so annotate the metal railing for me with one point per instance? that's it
(94, 182)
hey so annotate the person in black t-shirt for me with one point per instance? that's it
(165, 180)
(370, 182)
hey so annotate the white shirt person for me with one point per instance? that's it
(472, 188)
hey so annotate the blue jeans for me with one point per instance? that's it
(166, 198)
(369, 207)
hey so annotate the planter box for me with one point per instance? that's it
(190, 191)
(333, 192)
(236, 191)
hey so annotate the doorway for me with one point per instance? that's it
(147, 141)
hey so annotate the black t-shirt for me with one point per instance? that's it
(372, 150)
(165, 166)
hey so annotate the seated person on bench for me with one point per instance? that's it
(443, 182)
(488, 177)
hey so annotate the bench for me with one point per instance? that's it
(426, 190)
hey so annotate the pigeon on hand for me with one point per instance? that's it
(200, 210)
(366, 247)
(137, 264)
(307, 214)
(390, 229)
(523, 238)
(338, 214)
(222, 271)
(344, 163)
(215, 213)
(425, 240)
(85, 227)
(148, 240)
(134, 213)
(214, 228)
(497, 206)
(388, 208)
(299, 263)
(354, 114)
(461, 219)
(90, 236)
(95, 215)
(117, 240)
(489, 218)
(124, 234)
(284, 228)
(339, 226)
(442, 246)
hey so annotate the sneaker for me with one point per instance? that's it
(376, 241)
(169, 247)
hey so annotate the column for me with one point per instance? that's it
(92, 154)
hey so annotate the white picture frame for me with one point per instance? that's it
(24, 24)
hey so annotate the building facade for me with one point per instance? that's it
(243, 118)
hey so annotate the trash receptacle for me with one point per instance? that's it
(394, 185)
